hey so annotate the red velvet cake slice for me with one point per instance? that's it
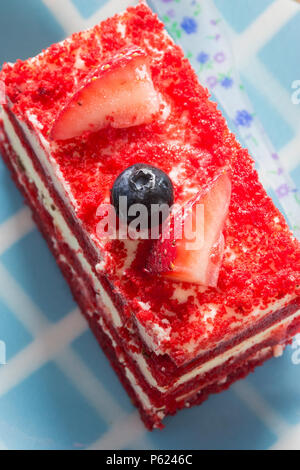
(176, 325)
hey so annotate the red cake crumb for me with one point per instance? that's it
(262, 260)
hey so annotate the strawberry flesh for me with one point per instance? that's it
(118, 93)
(174, 258)
(2, 93)
(161, 256)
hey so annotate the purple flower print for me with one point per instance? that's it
(189, 25)
(219, 57)
(227, 82)
(282, 190)
(171, 13)
(211, 81)
(202, 57)
(243, 118)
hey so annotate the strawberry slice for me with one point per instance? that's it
(2, 93)
(180, 258)
(162, 256)
(118, 93)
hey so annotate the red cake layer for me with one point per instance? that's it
(195, 139)
(197, 390)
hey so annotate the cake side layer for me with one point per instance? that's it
(78, 288)
(191, 144)
(236, 351)
(257, 314)
(171, 406)
(150, 407)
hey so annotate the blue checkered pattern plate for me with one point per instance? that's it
(57, 390)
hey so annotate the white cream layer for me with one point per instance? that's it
(110, 310)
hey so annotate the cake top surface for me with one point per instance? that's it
(190, 141)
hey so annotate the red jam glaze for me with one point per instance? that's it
(262, 260)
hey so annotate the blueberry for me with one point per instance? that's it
(146, 185)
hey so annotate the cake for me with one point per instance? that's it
(120, 101)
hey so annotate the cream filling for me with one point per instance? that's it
(196, 391)
(110, 309)
(143, 397)
(48, 163)
(157, 336)
(217, 361)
